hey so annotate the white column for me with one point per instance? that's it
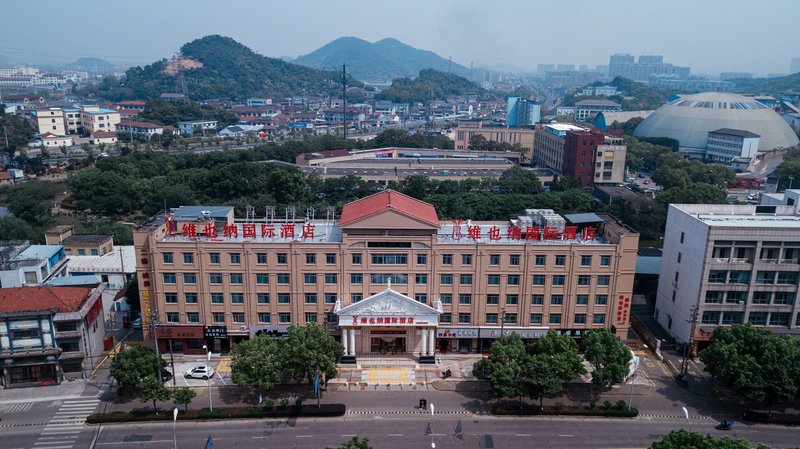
(424, 349)
(353, 341)
(432, 342)
(344, 341)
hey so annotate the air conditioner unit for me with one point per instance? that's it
(242, 328)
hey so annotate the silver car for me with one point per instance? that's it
(199, 372)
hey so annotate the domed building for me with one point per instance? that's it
(690, 118)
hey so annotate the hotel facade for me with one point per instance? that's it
(387, 276)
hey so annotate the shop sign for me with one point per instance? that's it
(384, 320)
(216, 332)
(386, 332)
(494, 233)
(525, 334)
(179, 332)
(456, 332)
(271, 331)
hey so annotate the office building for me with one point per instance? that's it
(625, 66)
(522, 112)
(549, 145)
(579, 151)
(524, 136)
(586, 110)
(726, 144)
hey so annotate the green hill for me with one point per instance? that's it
(429, 85)
(219, 67)
(768, 86)
(378, 62)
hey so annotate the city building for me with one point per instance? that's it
(51, 120)
(49, 334)
(103, 137)
(625, 66)
(725, 144)
(604, 120)
(579, 153)
(729, 264)
(79, 244)
(524, 136)
(609, 161)
(522, 112)
(86, 120)
(24, 264)
(200, 126)
(95, 118)
(140, 129)
(207, 279)
(587, 109)
(50, 140)
(548, 149)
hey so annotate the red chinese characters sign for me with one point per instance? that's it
(623, 306)
(495, 233)
(394, 320)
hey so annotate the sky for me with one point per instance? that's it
(709, 36)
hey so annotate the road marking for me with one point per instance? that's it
(19, 407)
(61, 441)
(348, 435)
(55, 447)
(568, 436)
(305, 436)
(220, 378)
(395, 434)
(524, 435)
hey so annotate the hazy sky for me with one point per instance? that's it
(708, 35)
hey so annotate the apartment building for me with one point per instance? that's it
(24, 264)
(387, 275)
(86, 120)
(729, 264)
(579, 152)
(548, 148)
(467, 129)
(609, 162)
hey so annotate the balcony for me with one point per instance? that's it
(71, 355)
(67, 334)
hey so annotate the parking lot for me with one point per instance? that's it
(221, 376)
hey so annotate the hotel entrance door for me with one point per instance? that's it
(388, 345)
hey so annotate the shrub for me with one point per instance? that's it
(269, 405)
(606, 405)
(284, 403)
(620, 404)
(592, 404)
(298, 402)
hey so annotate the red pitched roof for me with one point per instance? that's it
(22, 299)
(389, 199)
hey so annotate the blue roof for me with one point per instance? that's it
(74, 280)
(648, 265)
(39, 252)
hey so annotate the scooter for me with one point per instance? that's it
(724, 425)
(446, 374)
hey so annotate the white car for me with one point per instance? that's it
(199, 372)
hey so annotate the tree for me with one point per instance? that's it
(757, 364)
(478, 142)
(518, 180)
(308, 348)
(255, 363)
(561, 353)
(506, 365)
(541, 379)
(183, 396)
(683, 439)
(13, 228)
(355, 443)
(153, 389)
(608, 356)
(135, 363)
(17, 131)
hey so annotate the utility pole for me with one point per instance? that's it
(502, 322)
(153, 331)
(344, 101)
(693, 320)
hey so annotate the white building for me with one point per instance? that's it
(724, 144)
(189, 128)
(24, 264)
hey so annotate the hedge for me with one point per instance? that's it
(306, 410)
(775, 418)
(618, 410)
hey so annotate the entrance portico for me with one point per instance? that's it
(388, 323)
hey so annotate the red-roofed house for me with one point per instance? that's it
(385, 209)
(6, 179)
(48, 333)
(107, 137)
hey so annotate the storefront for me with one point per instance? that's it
(456, 339)
(216, 338)
(180, 339)
(30, 371)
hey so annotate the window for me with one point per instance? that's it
(167, 257)
(283, 298)
(494, 259)
(420, 279)
(190, 298)
(513, 260)
(710, 317)
(236, 258)
(331, 278)
(261, 259)
(580, 318)
(309, 278)
(311, 258)
(512, 299)
(330, 298)
(356, 258)
(732, 317)
(492, 299)
(445, 318)
(605, 261)
(218, 317)
(169, 278)
(356, 278)
(717, 276)
(541, 260)
(555, 318)
(311, 317)
(283, 279)
(217, 298)
(171, 298)
(310, 298)
(236, 278)
(465, 298)
(556, 300)
(238, 317)
(582, 300)
(599, 318)
(757, 318)
(262, 298)
(330, 258)
(558, 280)
(714, 297)
(262, 278)
(189, 278)
(787, 277)
(446, 298)
(446, 279)
(603, 280)
(513, 279)
(561, 260)
(421, 297)
(447, 259)
(735, 297)
(188, 258)
(263, 317)
(192, 317)
(586, 261)
(215, 278)
(284, 317)
(511, 318)
(584, 279)
(739, 277)
(538, 279)
(784, 298)
(464, 318)
(383, 278)
(237, 298)
(81, 252)
(173, 317)
(356, 297)
(762, 297)
(765, 277)
(331, 317)
(422, 259)
(466, 259)
(282, 258)
(465, 279)
(536, 318)
(779, 318)
(537, 299)
(493, 279)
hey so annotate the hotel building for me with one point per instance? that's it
(388, 275)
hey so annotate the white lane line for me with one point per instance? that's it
(57, 438)
(348, 435)
(55, 447)
(566, 435)
(81, 401)
(220, 378)
(117, 443)
(524, 435)
(58, 431)
(305, 436)
(395, 434)
(62, 441)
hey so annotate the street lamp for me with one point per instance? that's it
(174, 420)
(636, 361)
(208, 379)
(686, 415)
(433, 445)
(791, 182)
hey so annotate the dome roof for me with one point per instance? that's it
(689, 119)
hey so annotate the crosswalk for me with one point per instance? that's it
(18, 407)
(65, 427)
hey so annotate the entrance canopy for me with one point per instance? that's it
(388, 308)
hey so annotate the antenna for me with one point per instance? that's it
(251, 214)
(310, 214)
(290, 212)
(269, 216)
(330, 214)
(344, 100)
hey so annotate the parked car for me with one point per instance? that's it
(166, 376)
(199, 372)
(137, 323)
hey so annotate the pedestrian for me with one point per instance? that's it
(423, 404)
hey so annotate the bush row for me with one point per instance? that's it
(775, 418)
(619, 410)
(325, 410)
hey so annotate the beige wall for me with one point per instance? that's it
(615, 155)
(51, 121)
(523, 136)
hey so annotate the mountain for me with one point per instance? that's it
(429, 85)
(381, 61)
(218, 67)
(770, 86)
(91, 65)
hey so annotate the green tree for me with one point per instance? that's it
(135, 363)
(13, 228)
(183, 396)
(308, 348)
(608, 356)
(697, 193)
(154, 390)
(561, 352)
(478, 142)
(518, 180)
(506, 365)
(355, 443)
(541, 379)
(683, 439)
(31, 202)
(17, 131)
(757, 364)
(256, 363)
